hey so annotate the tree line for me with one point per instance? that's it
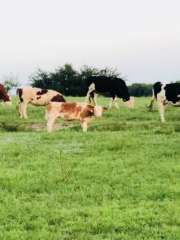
(70, 82)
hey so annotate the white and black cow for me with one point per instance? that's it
(165, 93)
(36, 97)
(116, 87)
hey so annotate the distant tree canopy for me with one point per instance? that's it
(10, 82)
(70, 82)
(67, 80)
(140, 89)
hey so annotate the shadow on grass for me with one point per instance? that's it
(14, 127)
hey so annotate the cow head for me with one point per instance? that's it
(123, 91)
(98, 111)
(130, 103)
(8, 102)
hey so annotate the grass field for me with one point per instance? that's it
(120, 180)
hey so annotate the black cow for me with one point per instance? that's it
(165, 93)
(115, 86)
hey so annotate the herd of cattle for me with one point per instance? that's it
(57, 107)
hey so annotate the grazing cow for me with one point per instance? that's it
(4, 96)
(72, 111)
(165, 93)
(115, 86)
(36, 97)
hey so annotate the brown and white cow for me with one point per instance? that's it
(4, 96)
(36, 97)
(72, 111)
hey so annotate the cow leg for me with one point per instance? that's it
(161, 108)
(24, 107)
(22, 110)
(46, 116)
(84, 126)
(91, 88)
(50, 124)
(111, 101)
(95, 98)
(116, 102)
(19, 109)
(87, 97)
(92, 96)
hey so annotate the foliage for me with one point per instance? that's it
(10, 82)
(140, 89)
(41, 79)
(120, 180)
(67, 80)
(70, 82)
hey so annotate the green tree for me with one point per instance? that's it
(140, 89)
(109, 72)
(40, 79)
(67, 80)
(10, 82)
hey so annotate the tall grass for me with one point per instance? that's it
(120, 180)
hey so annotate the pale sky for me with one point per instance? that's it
(141, 38)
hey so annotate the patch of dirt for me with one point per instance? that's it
(43, 127)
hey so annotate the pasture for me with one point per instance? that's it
(120, 180)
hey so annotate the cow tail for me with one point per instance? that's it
(152, 101)
(17, 101)
(89, 98)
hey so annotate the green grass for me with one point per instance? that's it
(120, 180)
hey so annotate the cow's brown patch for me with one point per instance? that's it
(87, 111)
(43, 91)
(78, 110)
(38, 98)
(58, 98)
(48, 107)
(68, 108)
(66, 116)
(90, 108)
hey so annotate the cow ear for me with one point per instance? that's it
(91, 108)
(104, 108)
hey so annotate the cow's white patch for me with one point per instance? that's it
(92, 87)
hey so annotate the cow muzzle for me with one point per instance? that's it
(8, 103)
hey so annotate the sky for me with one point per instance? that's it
(140, 38)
